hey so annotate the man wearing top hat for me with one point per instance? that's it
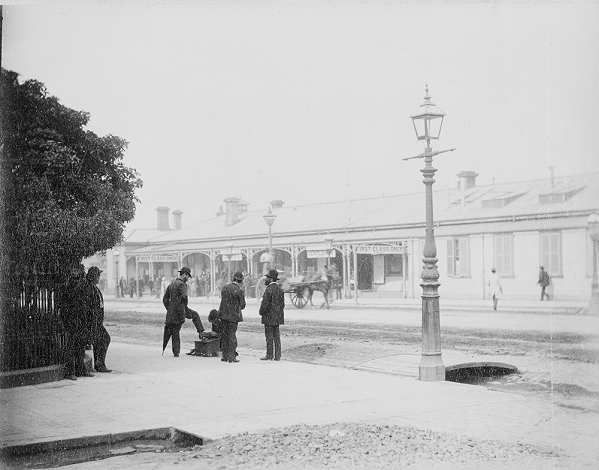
(93, 312)
(273, 315)
(175, 302)
(232, 302)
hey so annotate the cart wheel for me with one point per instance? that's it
(298, 300)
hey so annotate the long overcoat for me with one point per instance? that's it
(232, 302)
(273, 305)
(175, 302)
(71, 312)
(92, 311)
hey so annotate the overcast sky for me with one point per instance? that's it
(309, 101)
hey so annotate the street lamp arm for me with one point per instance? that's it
(422, 155)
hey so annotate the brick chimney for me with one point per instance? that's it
(232, 210)
(467, 179)
(177, 219)
(277, 203)
(162, 213)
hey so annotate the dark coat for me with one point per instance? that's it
(71, 312)
(544, 279)
(273, 305)
(175, 302)
(232, 302)
(92, 308)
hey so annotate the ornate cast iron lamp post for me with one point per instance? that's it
(269, 218)
(427, 125)
(593, 225)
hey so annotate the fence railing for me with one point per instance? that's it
(32, 332)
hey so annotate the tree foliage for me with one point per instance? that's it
(67, 191)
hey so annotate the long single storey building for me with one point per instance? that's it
(376, 243)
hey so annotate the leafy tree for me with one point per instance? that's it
(66, 191)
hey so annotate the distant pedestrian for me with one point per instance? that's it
(273, 315)
(232, 302)
(122, 286)
(544, 281)
(93, 308)
(495, 287)
(175, 301)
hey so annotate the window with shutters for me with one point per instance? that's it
(458, 257)
(551, 252)
(503, 249)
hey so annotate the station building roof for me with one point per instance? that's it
(395, 214)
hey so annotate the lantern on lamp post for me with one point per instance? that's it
(593, 226)
(428, 122)
(269, 218)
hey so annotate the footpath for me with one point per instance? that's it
(371, 301)
(212, 399)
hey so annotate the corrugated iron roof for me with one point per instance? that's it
(521, 198)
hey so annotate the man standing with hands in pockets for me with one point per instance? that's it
(273, 315)
(232, 302)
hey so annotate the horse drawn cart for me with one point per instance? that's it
(300, 292)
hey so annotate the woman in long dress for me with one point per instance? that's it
(495, 287)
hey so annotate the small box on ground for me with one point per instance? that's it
(208, 347)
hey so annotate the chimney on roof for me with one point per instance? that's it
(233, 208)
(162, 218)
(177, 219)
(467, 179)
(277, 203)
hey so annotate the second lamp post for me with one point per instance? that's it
(269, 218)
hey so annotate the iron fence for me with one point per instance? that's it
(33, 335)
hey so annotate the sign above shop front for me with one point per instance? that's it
(157, 258)
(231, 254)
(379, 249)
(320, 253)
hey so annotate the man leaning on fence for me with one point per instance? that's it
(93, 307)
(78, 328)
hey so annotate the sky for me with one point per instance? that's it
(309, 101)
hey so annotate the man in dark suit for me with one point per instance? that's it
(93, 308)
(232, 302)
(175, 301)
(77, 328)
(273, 315)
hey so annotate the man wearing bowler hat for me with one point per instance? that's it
(232, 302)
(273, 315)
(175, 302)
(93, 312)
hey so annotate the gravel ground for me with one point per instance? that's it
(344, 446)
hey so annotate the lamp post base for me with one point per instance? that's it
(431, 368)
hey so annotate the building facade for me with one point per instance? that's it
(376, 243)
